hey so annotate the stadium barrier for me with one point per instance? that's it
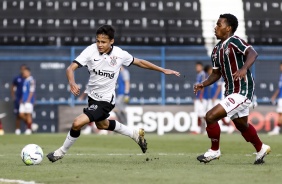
(48, 64)
(171, 119)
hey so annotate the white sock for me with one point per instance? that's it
(123, 129)
(68, 143)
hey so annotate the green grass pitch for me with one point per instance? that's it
(117, 159)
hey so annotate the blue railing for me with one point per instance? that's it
(161, 53)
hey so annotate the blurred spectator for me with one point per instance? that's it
(122, 94)
(16, 94)
(2, 115)
(278, 94)
(200, 103)
(27, 100)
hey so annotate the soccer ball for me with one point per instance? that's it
(32, 154)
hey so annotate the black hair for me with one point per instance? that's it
(199, 63)
(207, 67)
(231, 21)
(106, 30)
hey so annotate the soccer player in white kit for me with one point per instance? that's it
(103, 61)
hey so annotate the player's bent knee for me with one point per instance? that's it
(241, 126)
(77, 125)
(210, 117)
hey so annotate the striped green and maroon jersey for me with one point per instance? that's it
(228, 57)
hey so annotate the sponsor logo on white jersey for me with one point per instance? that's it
(105, 74)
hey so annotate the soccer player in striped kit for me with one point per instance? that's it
(231, 58)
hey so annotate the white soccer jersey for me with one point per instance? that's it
(104, 70)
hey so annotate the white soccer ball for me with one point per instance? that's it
(32, 154)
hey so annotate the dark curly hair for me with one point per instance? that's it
(106, 30)
(231, 21)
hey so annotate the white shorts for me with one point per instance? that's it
(236, 105)
(26, 108)
(200, 107)
(279, 105)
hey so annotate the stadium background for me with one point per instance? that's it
(48, 34)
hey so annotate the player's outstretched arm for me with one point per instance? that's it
(251, 56)
(148, 65)
(74, 88)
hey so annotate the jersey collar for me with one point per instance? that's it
(225, 41)
(108, 53)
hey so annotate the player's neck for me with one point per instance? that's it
(226, 37)
(108, 51)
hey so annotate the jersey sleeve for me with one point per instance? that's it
(203, 77)
(215, 58)
(240, 45)
(32, 86)
(83, 57)
(280, 82)
(215, 64)
(15, 81)
(127, 58)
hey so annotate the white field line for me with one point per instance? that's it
(127, 154)
(160, 154)
(16, 181)
(141, 154)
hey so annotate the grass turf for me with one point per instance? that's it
(117, 159)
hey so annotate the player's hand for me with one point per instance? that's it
(240, 74)
(198, 87)
(171, 72)
(74, 88)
